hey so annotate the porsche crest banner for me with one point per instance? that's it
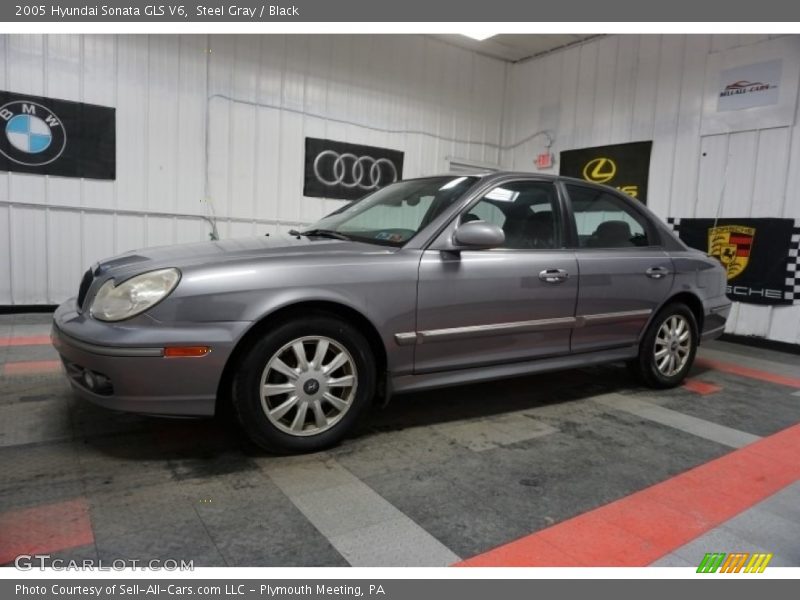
(623, 166)
(760, 256)
(46, 136)
(348, 171)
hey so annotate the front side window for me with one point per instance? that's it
(603, 220)
(525, 211)
(394, 214)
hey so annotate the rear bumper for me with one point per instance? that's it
(135, 377)
(714, 320)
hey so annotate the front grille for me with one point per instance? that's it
(86, 283)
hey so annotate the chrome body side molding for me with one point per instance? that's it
(475, 331)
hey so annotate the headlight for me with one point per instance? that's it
(134, 296)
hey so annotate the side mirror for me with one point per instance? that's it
(479, 235)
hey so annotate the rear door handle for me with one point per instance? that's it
(553, 275)
(657, 272)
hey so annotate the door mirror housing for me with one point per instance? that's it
(478, 235)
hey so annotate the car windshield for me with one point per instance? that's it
(394, 214)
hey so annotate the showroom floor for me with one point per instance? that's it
(583, 467)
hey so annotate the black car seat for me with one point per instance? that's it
(515, 226)
(539, 230)
(612, 234)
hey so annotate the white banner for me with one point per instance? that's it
(752, 87)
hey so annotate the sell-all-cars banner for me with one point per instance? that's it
(348, 171)
(760, 256)
(623, 166)
(47, 136)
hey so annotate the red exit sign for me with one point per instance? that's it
(544, 161)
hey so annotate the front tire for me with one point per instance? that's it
(303, 386)
(668, 348)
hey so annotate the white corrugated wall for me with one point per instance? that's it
(650, 87)
(264, 94)
(259, 96)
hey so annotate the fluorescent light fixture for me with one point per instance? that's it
(479, 35)
(452, 184)
(502, 195)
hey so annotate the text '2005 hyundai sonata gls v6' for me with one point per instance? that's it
(422, 284)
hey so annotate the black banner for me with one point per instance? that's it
(57, 137)
(348, 171)
(760, 255)
(623, 166)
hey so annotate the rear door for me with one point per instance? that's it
(625, 274)
(513, 303)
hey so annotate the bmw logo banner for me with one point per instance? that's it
(56, 137)
(348, 171)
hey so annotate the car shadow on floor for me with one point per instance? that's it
(133, 437)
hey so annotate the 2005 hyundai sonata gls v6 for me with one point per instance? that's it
(425, 283)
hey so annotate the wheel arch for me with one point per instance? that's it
(693, 302)
(299, 310)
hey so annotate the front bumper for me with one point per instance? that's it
(126, 358)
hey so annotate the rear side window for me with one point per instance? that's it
(604, 220)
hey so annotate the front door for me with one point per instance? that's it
(513, 303)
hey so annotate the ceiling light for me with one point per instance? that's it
(480, 36)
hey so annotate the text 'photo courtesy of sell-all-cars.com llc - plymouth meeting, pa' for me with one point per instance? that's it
(422, 284)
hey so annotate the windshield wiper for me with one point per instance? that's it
(321, 233)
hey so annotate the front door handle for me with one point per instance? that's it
(657, 272)
(553, 275)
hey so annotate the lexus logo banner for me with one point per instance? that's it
(760, 256)
(56, 137)
(348, 171)
(623, 166)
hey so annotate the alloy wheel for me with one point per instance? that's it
(308, 385)
(673, 345)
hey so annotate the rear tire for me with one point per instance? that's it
(304, 386)
(668, 348)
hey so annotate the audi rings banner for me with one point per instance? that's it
(348, 171)
(57, 137)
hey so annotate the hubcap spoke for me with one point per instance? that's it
(337, 403)
(283, 408)
(300, 354)
(319, 415)
(345, 381)
(284, 369)
(661, 353)
(275, 389)
(319, 355)
(337, 362)
(300, 417)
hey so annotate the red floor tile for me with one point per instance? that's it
(640, 528)
(44, 529)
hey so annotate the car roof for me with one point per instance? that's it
(490, 175)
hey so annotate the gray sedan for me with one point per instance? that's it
(425, 283)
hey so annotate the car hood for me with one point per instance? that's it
(234, 250)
